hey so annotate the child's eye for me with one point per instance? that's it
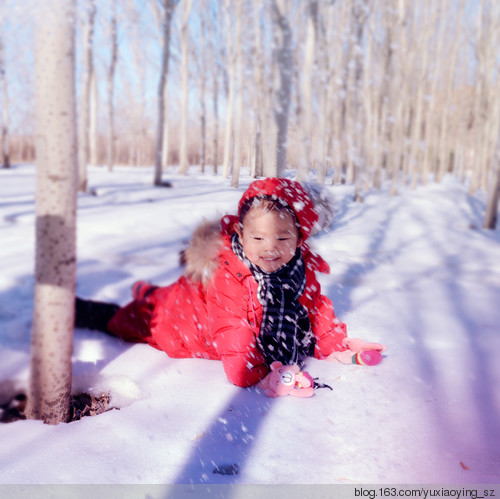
(257, 238)
(283, 238)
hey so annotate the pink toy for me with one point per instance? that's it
(367, 358)
(363, 357)
(287, 380)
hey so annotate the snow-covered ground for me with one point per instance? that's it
(415, 272)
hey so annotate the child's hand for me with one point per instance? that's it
(356, 345)
(344, 357)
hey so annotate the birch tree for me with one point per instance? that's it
(445, 144)
(166, 23)
(203, 86)
(93, 121)
(228, 143)
(325, 76)
(259, 100)
(485, 129)
(184, 158)
(358, 77)
(306, 126)
(214, 77)
(283, 55)
(57, 174)
(491, 215)
(368, 103)
(110, 87)
(84, 110)
(428, 160)
(4, 98)
(417, 87)
(338, 121)
(235, 178)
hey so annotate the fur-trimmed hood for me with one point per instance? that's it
(200, 257)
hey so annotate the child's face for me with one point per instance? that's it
(269, 239)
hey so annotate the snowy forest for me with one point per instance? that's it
(367, 90)
(124, 123)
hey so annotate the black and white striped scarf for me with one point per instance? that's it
(285, 330)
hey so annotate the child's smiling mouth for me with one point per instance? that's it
(270, 258)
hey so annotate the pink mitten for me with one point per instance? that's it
(364, 358)
(357, 345)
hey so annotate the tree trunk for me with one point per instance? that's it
(184, 159)
(235, 178)
(110, 89)
(485, 119)
(84, 115)
(259, 93)
(396, 99)
(359, 122)
(324, 89)
(336, 20)
(215, 138)
(214, 75)
(491, 215)
(4, 124)
(166, 135)
(445, 144)
(168, 12)
(57, 174)
(429, 161)
(305, 154)
(203, 89)
(367, 97)
(415, 153)
(93, 122)
(228, 145)
(283, 90)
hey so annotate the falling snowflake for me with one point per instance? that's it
(298, 206)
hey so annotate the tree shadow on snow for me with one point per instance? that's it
(478, 393)
(221, 452)
(340, 291)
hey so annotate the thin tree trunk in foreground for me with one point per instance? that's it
(57, 176)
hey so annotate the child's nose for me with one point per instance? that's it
(271, 244)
